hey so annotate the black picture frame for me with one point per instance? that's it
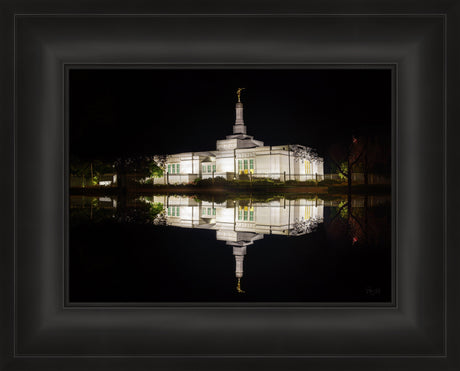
(421, 331)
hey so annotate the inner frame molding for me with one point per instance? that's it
(392, 68)
(45, 44)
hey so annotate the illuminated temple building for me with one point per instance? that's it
(240, 155)
(240, 223)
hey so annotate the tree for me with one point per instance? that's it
(155, 171)
(140, 166)
(361, 224)
(91, 169)
(80, 168)
(377, 157)
(346, 157)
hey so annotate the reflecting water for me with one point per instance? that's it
(167, 248)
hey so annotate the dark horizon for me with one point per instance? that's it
(128, 112)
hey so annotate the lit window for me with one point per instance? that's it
(204, 211)
(251, 164)
(251, 216)
(169, 211)
(245, 215)
(240, 165)
(209, 211)
(214, 168)
(209, 168)
(204, 168)
(173, 168)
(173, 211)
(213, 211)
(307, 167)
(177, 168)
(239, 214)
(177, 211)
(169, 168)
(245, 164)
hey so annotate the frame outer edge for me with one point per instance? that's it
(26, 160)
(7, 188)
(228, 6)
(6, 185)
(452, 179)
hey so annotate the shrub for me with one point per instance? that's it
(220, 180)
(329, 182)
(263, 180)
(205, 182)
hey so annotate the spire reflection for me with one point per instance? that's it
(241, 222)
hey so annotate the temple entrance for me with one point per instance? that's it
(246, 166)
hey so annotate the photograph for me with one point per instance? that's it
(218, 185)
(186, 187)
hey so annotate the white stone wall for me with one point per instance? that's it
(276, 217)
(190, 167)
(180, 178)
(161, 180)
(176, 201)
(275, 162)
(227, 144)
(225, 214)
(225, 162)
(262, 161)
(227, 235)
(319, 167)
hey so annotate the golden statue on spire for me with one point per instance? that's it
(238, 287)
(238, 92)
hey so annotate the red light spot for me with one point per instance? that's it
(355, 239)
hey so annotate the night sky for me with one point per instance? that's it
(125, 112)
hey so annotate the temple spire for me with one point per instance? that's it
(239, 127)
(239, 251)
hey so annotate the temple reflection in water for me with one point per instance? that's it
(240, 223)
(127, 249)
